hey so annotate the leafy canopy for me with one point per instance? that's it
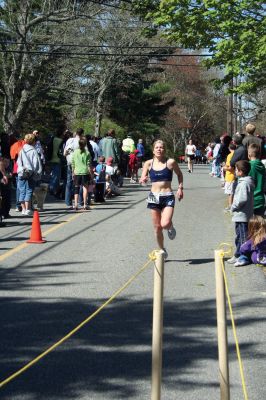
(234, 32)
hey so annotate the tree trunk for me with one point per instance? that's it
(13, 112)
(99, 112)
(98, 123)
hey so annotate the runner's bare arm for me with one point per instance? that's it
(145, 172)
(178, 172)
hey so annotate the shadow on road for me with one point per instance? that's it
(110, 354)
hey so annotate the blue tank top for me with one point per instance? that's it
(165, 174)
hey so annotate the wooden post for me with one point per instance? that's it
(157, 327)
(222, 328)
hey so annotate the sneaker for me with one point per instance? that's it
(232, 260)
(18, 209)
(165, 254)
(132, 181)
(23, 212)
(29, 213)
(241, 263)
(171, 233)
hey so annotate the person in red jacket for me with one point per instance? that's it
(14, 152)
(133, 166)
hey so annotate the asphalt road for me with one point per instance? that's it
(48, 289)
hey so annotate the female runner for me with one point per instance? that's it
(161, 199)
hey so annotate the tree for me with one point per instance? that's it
(197, 111)
(29, 50)
(233, 32)
(118, 67)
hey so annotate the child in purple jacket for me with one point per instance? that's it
(254, 249)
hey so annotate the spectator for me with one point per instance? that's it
(240, 151)
(229, 177)
(257, 172)
(254, 249)
(14, 152)
(223, 153)
(216, 159)
(141, 152)
(128, 146)
(100, 173)
(250, 138)
(96, 150)
(198, 156)
(133, 166)
(111, 187)
(55, 163)
(109, 147)
(71, 145)
(38, 146)
(29, 172)
(242, 207)
(5, 188)
(81, 162)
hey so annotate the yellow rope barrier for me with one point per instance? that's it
(223, 253)
(152, 257)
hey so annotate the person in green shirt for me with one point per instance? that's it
(81, 168)
(257, 172)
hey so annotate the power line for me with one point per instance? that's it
(91, 46)
(47, 52)
(127, 63)
(44, 53)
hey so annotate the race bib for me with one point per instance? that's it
(152, 198)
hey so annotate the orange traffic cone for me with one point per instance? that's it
(36, 233)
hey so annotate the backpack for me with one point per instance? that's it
(102, 174)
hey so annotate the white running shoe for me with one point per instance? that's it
(241, 263)
(232, 260)
(171, 233)
(29, 213)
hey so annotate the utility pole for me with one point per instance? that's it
(235, 109)
(230, 128)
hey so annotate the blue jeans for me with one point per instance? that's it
(241, 229)
(69, 187)
(55, 177)
(26, 187)
(17, 193)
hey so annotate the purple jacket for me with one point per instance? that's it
(257, 253)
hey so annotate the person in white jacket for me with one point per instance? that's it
(29, 173)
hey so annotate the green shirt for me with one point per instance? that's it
(257, 172)
(81, 162)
